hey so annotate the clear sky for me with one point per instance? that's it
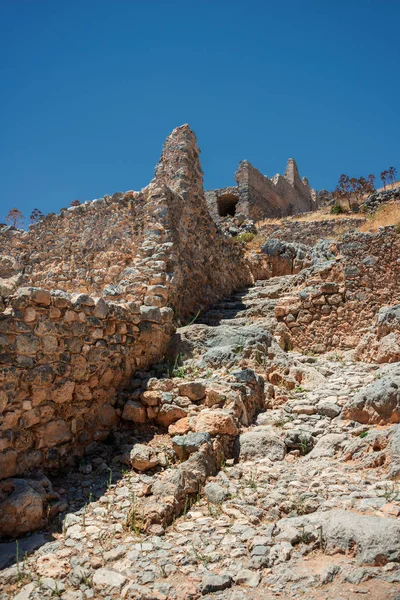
(89, 90)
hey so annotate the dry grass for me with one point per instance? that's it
(387, 214)
(319, 215)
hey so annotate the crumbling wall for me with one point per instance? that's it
(205, 264)
(88, 248)
(309, 232)
(258, 197)
(339, 299)
(62, 359)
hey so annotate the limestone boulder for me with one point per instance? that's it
(185, 445)
(134, 411)
(26, 504)
(143, 458)
(373, 540)
(263, 443)
(169, 413)
(216, 422)
(378, 402)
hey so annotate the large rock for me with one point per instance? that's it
(373, 540)
(216, 422)
(134, 411)
(327, 446)
(185, 445)
(394, 450)
(143, 457)
(378, 402)
(259, 444)
(169, 413)
(382, 345)
(25, 505)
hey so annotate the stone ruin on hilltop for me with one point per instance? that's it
(135, 332)
(258, 197)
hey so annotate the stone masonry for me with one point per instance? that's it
(258, 197)
(64, 355)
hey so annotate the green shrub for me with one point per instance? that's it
(336, 210)
(244, 238)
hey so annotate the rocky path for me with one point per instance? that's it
(302, 502)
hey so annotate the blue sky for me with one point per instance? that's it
(89, 90)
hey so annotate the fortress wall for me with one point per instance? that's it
(340, 302)
(63, 356)
(309, 232)
(85, 248)
(62, 359)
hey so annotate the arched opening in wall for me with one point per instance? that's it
(227, 205)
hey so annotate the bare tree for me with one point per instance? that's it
(15, 217)
(343, 189)
(384, 176)
(392, 172)
(371, 183)
(36, 215)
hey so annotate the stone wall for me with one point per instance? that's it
(206, 265)
(309, 232)
(62, 359)
(88, 248)
(64, 356)
(258, 197)
(337, 300)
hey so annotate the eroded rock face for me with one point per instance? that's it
(25, 505)
(379, 402)
(374, 541)
(382, 344)
(263, 443)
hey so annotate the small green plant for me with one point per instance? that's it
(298, 389)
(110, 478)
(202, 558)
(303, 445)
(363, 434)
(133, 522)
(194, 319)
(252, 480)
(177, 370)
(56, 592)
(22, 573)
(390, 492)
(244, 238)
(336, 209)
(238, 349)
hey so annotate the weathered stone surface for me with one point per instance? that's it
(195, 390)
(169, 413)
(216, 422)
(378, 402)
(134, 411)
(214, 583)
(374, 541)
(185, 445)
(143, 457)
(106, 578)
(259, 444)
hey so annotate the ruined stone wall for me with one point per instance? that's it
(309, 232)
(62, 359)
(206, 265)
(338, 300)
(86, 248)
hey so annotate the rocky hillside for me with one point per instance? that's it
(233, 433)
